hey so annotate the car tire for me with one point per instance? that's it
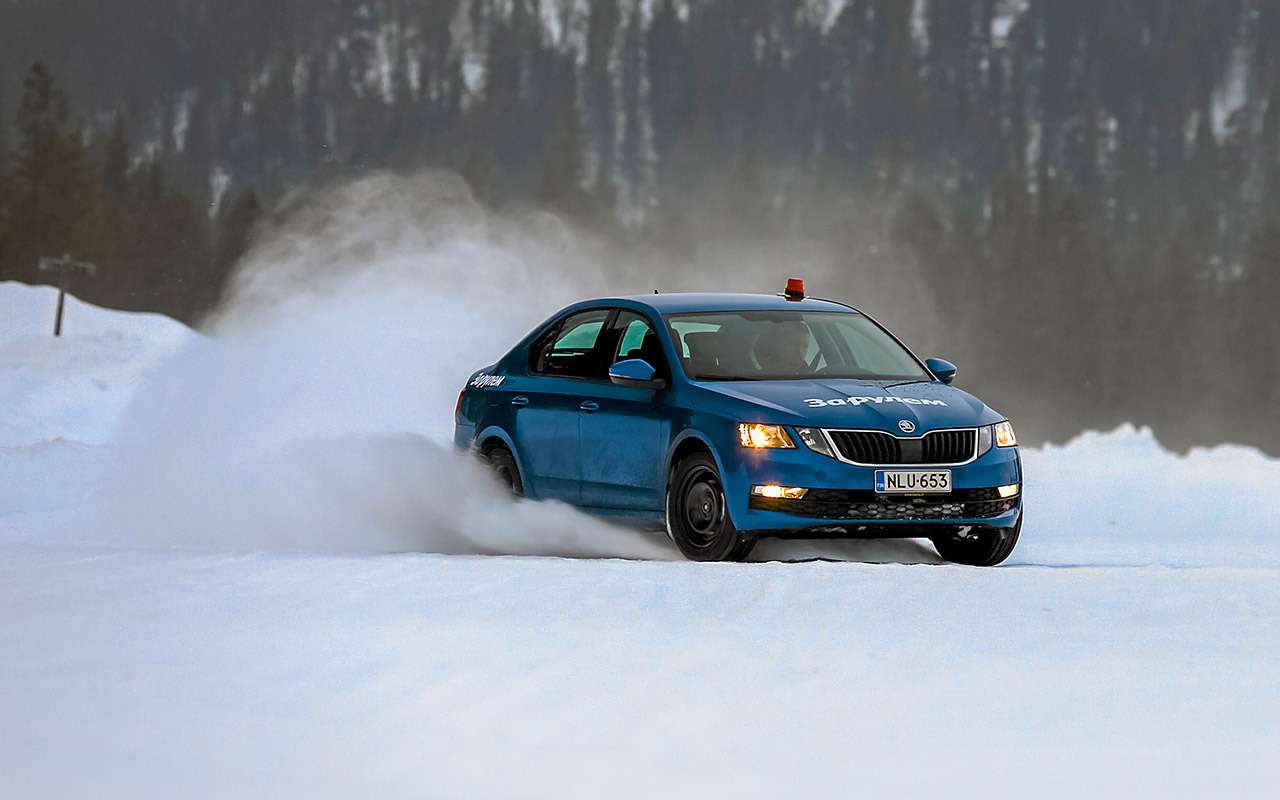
(503, 464)
(698, 514)
(979, 547)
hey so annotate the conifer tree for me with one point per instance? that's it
(53, 199)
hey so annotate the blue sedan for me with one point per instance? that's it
(727, 418)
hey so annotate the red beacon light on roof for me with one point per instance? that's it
(795, 289)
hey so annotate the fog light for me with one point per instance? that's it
(775, 492)
(1008, 491)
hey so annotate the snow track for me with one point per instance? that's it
(134, 674)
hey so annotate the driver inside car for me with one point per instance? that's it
(781, 349)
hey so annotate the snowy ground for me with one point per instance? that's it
(212, 586)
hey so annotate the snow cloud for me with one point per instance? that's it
(318, 415)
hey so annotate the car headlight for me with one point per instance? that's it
(1005, 436)
(757, 436)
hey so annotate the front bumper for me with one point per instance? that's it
(842, 501)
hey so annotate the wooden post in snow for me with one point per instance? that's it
(64, 267)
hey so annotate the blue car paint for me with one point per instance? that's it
(609, 448)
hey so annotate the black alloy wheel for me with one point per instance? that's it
(698, 515)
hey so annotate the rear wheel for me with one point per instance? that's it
(503, 464)
(698, 515)
(978, 547)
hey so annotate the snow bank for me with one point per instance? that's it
(74, 387)
(1120, 498)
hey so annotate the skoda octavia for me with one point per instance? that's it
(728, 418)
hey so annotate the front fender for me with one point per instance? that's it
(683, 437)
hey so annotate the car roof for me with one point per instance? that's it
(692, 302)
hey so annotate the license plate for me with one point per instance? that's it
(893, 481)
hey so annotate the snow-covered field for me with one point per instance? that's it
(249, 567)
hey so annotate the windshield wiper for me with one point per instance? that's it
(725, 378)
(905, 383)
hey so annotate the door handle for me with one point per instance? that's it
(520, 401)
(589, 406)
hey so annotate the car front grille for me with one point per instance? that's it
(866, 505)
(879, 448)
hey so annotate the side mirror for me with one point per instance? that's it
(636, 373)
(945, 370)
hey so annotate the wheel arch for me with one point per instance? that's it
(494, 436)
(690, 441)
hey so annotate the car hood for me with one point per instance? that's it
(873, 405)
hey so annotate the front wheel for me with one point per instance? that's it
(978, 547)
(698, 515)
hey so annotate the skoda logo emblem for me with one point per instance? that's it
(906, 426)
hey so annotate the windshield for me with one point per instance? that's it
(789, 345)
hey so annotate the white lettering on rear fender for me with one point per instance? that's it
(483, 381)
(857, 401)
